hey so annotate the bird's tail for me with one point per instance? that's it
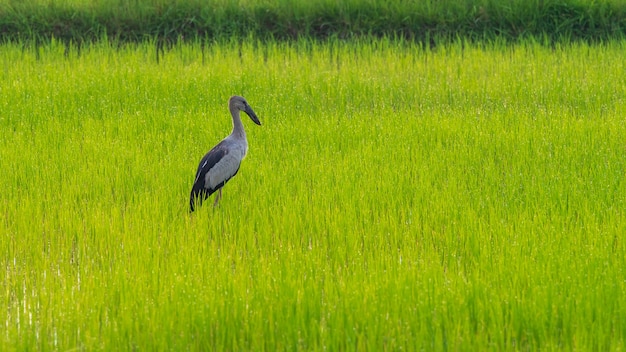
(195, 199)
(192, 205)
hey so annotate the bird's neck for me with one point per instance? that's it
(238, 131)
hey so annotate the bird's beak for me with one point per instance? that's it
(252, 115)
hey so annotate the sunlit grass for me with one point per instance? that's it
(395, 197)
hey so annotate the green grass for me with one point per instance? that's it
(396, 197)
(429, 22)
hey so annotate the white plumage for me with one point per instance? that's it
(222, 162)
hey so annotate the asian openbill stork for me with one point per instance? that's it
(222, 162)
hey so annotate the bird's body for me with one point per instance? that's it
(222, 162)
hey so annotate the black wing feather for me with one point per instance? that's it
(200, 190)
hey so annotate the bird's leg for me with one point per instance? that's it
(217, 197)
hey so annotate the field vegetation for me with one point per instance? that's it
(429, 22)
(467, 197)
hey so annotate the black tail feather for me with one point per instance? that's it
(198, 196)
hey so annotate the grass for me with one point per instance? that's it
(428, 22)
(396, 197)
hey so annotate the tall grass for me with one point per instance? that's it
(396, 197)
(429, 22)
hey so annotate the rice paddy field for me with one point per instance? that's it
(396, 197)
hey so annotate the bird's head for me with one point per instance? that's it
(239, 103)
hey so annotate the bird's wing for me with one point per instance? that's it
(217, 166)
(208, 161)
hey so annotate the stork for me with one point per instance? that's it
(222, 162)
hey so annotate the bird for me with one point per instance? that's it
(222, 162)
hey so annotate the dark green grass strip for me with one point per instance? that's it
(423, 21)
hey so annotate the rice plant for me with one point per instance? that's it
(396, 197)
